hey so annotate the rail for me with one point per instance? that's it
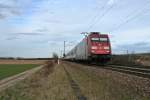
(138, 71)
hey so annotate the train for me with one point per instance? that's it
(95, 47)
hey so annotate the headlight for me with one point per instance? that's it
(93, 51)
(107, 51)
(94, 47)
(106, 48)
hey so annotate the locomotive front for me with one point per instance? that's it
(99, 47)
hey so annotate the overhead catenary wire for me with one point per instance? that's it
(132, 16)
(100, 16)
(97, 14)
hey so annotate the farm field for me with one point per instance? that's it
(12, 67)
(7, 70)
(22, 61)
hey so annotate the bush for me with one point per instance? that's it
(129, 60)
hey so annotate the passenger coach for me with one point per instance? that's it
(95, 47)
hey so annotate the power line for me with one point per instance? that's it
(98, 14)
(99, 17)
(131, 17)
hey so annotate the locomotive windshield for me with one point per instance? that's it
(99, 39)
(95, 39)
(103, 39)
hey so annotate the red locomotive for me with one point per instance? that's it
(95, 47)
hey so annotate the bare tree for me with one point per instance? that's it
(55, 57)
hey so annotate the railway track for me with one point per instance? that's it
(141, 71)
(138, 71)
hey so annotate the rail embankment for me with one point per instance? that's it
(102, 84)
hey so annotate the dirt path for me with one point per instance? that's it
(75, 86)
(10, 81)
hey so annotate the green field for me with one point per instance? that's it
(7, 70)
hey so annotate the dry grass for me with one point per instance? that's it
(48, 84)
(107, 85)
(131, 60)
(22, 61)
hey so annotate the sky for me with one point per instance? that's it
(37, 28)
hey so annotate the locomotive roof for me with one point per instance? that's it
(97, 33)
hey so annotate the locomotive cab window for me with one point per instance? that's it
(99, 39)
(103, 39)
(95, 39)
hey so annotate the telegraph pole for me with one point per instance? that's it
(61, 53)
(64, 48)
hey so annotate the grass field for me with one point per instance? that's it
(7, 61)
(7, 70)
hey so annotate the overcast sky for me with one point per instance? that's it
(37, 28)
